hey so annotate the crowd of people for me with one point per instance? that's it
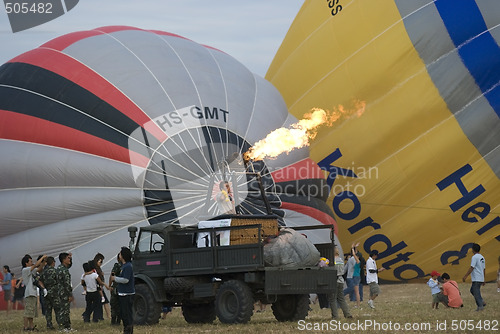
(445, 290)
(354, 272)
(45, 286)
(43, 281)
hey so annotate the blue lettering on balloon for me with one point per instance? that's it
(399, 271)
(456, 178)
(400, 257)
(461, 254)
(333, 171)
(349, 196)
(480, 209)
(368, 221)
(473, 209)
(494, 222)
(389, 248)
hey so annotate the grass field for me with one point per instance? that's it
(399, 305)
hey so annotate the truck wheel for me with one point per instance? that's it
(291, 307)
(199, 313)
(234, 302)
(146, 310)
(180, 284)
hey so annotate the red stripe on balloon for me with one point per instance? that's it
(62, 42)
(36, 130)
(319, 215)
(86, 78)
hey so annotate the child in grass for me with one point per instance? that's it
(435, 290)
(91, 281)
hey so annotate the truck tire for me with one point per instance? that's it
(199, 313)
(180, 284)
(234, 302)
(291, 307)
(146, 310)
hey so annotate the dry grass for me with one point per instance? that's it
(398, 304)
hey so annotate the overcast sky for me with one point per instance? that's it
(250, 31)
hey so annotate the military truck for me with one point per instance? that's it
(190, 267)
(215, 267)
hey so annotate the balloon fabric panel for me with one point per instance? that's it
(416, 175)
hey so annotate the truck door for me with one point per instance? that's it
(149, 255)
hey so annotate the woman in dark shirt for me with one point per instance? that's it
(126, 290)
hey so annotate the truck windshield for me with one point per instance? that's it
(150, 242)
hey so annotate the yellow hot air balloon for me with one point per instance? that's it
(416, 176)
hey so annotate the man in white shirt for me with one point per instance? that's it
(477, 270)
(30, 294)
(372, 277)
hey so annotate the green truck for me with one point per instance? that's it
(221, 280)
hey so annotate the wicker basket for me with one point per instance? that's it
(250, 235)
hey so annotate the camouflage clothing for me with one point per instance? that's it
(115, 305)
(49, 280)
(65, 292)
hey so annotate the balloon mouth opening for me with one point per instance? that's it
(183, 181)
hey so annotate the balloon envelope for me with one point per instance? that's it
(118, 127)
(416, 176)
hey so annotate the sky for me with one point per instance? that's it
(250, 31)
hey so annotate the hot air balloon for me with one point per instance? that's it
(118, 126)
(416, 176)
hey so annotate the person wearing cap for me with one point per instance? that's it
(435, 290)
(372, 277)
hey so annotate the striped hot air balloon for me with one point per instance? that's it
(118, 127)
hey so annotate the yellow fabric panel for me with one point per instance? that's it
(407, 134)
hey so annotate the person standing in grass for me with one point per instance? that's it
(372, 277)
(126, 290)
(19, 289)
(65, 292)
(435, 288)
(92, 297)
(7, 287)
(356, 274)
(113, 299)
(49, 280)
(477, 271)
(30, 294)
(349, 268)
(338, 296)
(104, 304)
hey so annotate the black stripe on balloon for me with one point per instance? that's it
(48, 84)
(216, 139)
(159, 204)
(307, 201)
(157, 196)
(161, 213)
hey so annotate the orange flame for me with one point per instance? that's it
(299, 134)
